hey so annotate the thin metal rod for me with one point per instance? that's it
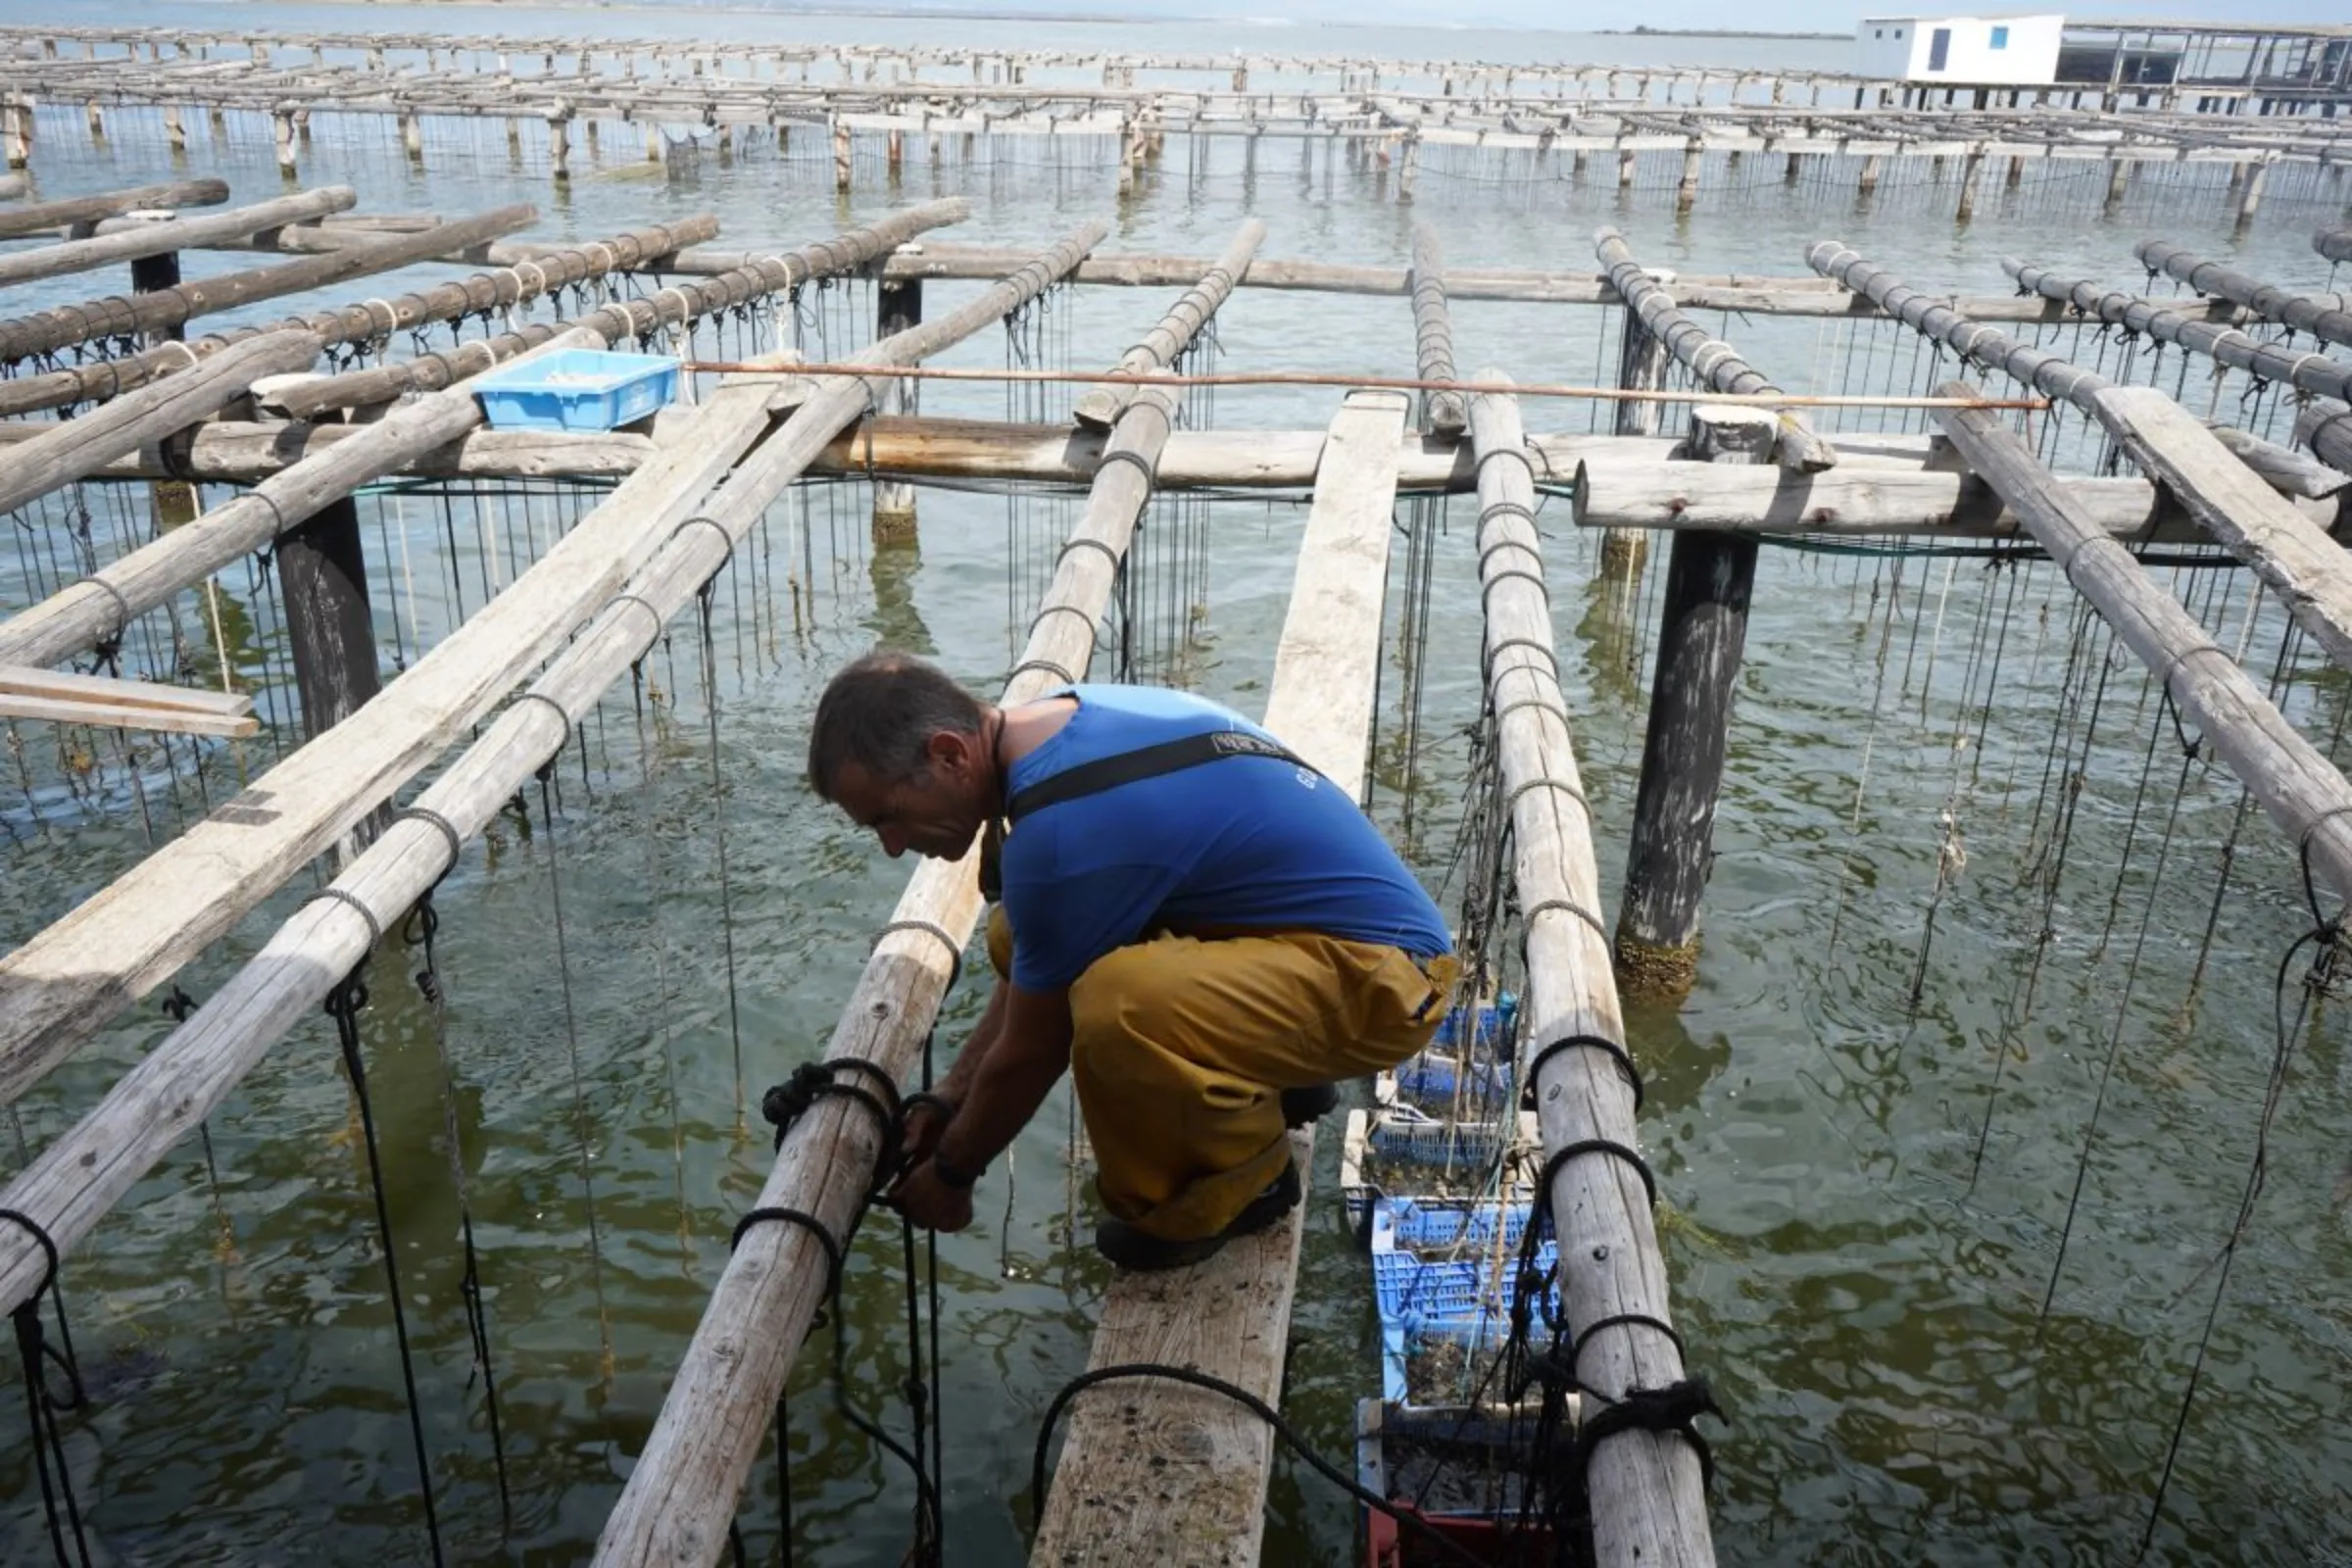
(1605, 394)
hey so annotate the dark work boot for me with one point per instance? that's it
(1312, 1103)
(1130, 1248)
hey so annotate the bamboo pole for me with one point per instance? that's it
(2323, 316)
(1647, 1492)
(1100, 406)
(173, 234)
(1708, 358)
(1433, 333)
(70, 214)
(67, 450)
(66, 325)
(168, 908)
(683, 1490)
(2300, 789)
(80, 614)
(2292, 554)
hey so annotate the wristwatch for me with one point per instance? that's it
(950, 1174)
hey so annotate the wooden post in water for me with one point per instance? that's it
(282, 129)
(19, 133)
(173, 499)
(1970, 168)
(897, 308)
(841, 158)
(412, 136)
(558, 146)
(324, 575)
(1702, 629)
(1640, 367)
(1685, 192)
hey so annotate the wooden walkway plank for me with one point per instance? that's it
(54, 990)
(1648, 1501)
(1158, 1475)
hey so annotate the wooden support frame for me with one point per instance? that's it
(26, 692)
(1432, 335)
(173, 234)
(1101, 406)
(74, 213)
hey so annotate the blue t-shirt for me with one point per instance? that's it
(1239, 842)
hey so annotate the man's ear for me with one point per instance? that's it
(947, 751)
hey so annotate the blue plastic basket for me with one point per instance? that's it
(1467, 1291)
(1433, 1075)
(576, 389)
(1396, 1344)
(1490, 1035)
(1437, 1145)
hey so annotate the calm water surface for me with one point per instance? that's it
(1866, 1291)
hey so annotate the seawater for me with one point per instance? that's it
(1864, 1290)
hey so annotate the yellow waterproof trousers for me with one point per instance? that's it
(1181, 1047)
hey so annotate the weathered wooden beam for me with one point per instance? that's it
(1647, 1490)
(2323, 316)
(13, 187)
(160, 236)
(1125, 1493)
(1100, 408)
(1629, 488)
(2300, 789)
(2210, 333)
(154, 918)
(2310, 573)
(118, 315)
(1433, 333)
(684, 1488)
(2283, 469)
(71, 213)
(1713, 363)
(65, 450)
(105, 701)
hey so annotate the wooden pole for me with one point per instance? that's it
(1647, 1490)
(2324, 316)
(173, 234)
(2301, 790)
(2293, 556)
(558, 147)
(185, 895)
(1702, 629)
(2315, 373)
(1433, 333)
(325, 576)
(67, 450)
(1640, 365)
(1709, 359)
(77, 617)
(73, 211)
(54, 329)
(897, 307)
(1100, 408)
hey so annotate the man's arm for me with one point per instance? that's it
(1029, 1054)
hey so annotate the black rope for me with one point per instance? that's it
(1083, 543)
(1452, 1550)
(1671, 1408)
(42, 1403)
(719, 829)
(1584, 1041)
(1136, 460)
(1547, 906)
(1485, 588)
(350, 901)
(418, 931)
(811, 1081)
(1558, 1161)
(343, 1005)
(1045, 664)
(930, 929)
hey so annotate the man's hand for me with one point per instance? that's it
(920, 1134)
(930, 1203)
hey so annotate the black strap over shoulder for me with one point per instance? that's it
(1149, 761)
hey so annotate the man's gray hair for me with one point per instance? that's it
(880, 713)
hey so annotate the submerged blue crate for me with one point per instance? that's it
(1465, 1290)
(1434, 1075)
(576, 389)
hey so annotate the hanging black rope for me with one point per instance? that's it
(417, 931)
(719, 827)
(343, 1005)
(43, 1403)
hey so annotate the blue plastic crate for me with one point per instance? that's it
(1434, 1075)
(1466, 1291)
(1490, 1035)
(1398, 1341)
(577, 389)
(1402, 1135)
